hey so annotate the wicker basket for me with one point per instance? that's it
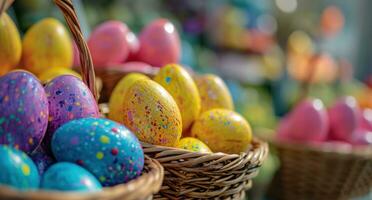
(309, 172)
(140, 188)
(191, 175)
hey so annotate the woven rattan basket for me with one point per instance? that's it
(140, 188)
(321, 172)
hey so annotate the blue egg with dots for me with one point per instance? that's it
(66, 176)
(17, 170)
(109, 150)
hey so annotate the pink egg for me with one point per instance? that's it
(308, 122)
(343, 118)
(365, 121)
(159, 43)
(361, 137)
(283, 129)
(108, 43)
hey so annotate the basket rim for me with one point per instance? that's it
(355, 151)
(154, 181)
(257, 147)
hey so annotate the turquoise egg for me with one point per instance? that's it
(105, 148)
(17, 169)
(66, 176)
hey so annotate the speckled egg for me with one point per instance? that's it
(17, 169)
(213, 93)
(69, 98)
(42, 159)
(118, 95)
(193, 144)
(152, 114)
(66, 176)
(105, 148)
(178, 82)
(223, 131)
(23, 111)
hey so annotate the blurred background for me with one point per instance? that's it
(267, 51)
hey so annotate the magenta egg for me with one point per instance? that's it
(308, 122)
(365, 121)
(361, 137)
(23, 111)
(159, 43)
(108, 43)
(133, 44)
(69, 98)
(343, 119)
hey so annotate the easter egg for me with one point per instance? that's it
(11, 47)
(105, 148)
(69, 98)
(159, 43)
(46, 44)
(182, 87)
(53, 72)
(66, 176)
(117, 98)
(365, 120)
(108, 43)
(193, 144)
(213, 93)
(23, 111)
(17, 169)
(152, 114)
(343, 118)
(308, 122)
(42, 159)
(223, 131)
(361, 137)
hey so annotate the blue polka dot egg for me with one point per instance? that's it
(66, 176)
(17, 169)
(107, 149)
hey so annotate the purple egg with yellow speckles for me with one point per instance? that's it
(110, 151)
(69, 98)
(23, 110)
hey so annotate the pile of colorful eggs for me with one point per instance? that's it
(343, 125)
(51, 131)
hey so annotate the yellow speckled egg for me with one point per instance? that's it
(193, 144)
(152, 114)
(223, 131)
(178, 82)
(213, 93)
(46, 44)
(118, 95)
(53, 72)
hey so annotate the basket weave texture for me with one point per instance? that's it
(192, 175)
(140, 188)
(321, 173)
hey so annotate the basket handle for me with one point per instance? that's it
(87, 69)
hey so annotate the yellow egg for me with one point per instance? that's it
(223, 131)
(10, 44)
(178, 82)
(53, 72)
(213, 93)
(193, 144)
(118, 96)
(46, 44)
(152, 114)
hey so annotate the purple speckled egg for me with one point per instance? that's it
(23, 110)
(42, 159)
(69, 98)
